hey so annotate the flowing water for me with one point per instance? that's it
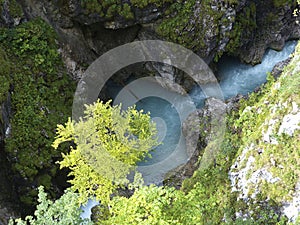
(238, 78)
(235, 78)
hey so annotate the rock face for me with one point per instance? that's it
(88, 30)
(266, 168)
(208, 25)
(209, 28)
(8, 198)
(5, 114)
(202, 130)
(11, 13)
(272, 24)
(278, 68)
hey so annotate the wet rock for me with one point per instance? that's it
(202, 124)
(278, 68)
(233, 103)
(5, 115)
(200, 129)
(192, 131)
(273, 27)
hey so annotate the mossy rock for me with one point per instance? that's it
(41, 98)
(5, 70)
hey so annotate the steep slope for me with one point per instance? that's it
(268, 165)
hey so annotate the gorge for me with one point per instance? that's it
(236, 78)
(45, 47)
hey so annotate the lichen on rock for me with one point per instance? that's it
(267, 168)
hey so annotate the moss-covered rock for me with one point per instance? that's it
(41, 97)
(203, 26)
(267, 168)
(11, 13)
(257, 165)
(260, 25)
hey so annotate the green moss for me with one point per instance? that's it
(111, 8)
(5, 68)
(41, 98)
(144, 3)
(280, 158)
(181, 26)
(282, 3)
(15, 8)
(218, 200)
(243, 28)
(245, 126)
(29, 196)
(173, 27)
(178, 24)
(126, 12)
(176, 27)
(44, 179)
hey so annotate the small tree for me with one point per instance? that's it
(109, 142)
(64, 211)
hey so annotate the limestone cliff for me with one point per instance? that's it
(267, 166)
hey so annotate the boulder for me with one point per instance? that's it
(203, 129)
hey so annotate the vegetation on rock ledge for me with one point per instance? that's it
(41, 97)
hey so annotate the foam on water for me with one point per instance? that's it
(238, 78)
(235, 78)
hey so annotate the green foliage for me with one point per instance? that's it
(34, 43)
(244, 26)
(204, 199)
(126, 12)
(174, 28)
(14, 8)
(165, 205)
(144, 3)
(5, 68)
(64, 211)
(207, 197)
(148, 205)
(112, 8)
(107, 8)
(181, 26)
(41, 98)
(109, 142)
(282, 3)
(273, 104)
(249, 124)
(265, 217)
